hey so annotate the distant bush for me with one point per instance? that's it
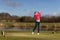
(2, 25)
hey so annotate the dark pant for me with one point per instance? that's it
(37, 24)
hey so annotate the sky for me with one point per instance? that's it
(28, 7)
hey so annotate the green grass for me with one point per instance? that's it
(44, 35)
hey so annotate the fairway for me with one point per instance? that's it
(29, 36)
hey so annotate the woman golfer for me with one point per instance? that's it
(37, 16)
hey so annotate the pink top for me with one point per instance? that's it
(37, 16)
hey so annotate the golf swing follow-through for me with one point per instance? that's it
(37, 16)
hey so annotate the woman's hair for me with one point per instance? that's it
(35, 12)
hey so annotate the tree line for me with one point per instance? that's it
(13, 18)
